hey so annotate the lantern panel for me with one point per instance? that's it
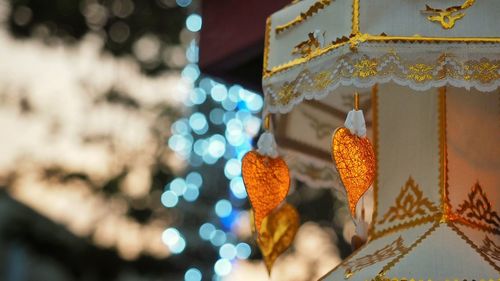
(408, 158)
(473, 142)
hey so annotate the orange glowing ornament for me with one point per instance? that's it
(277, 233)
(354, 156)
(265, 175)
(267, 181)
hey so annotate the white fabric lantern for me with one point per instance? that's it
(429, 74)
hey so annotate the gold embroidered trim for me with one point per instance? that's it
(409, 203)
(490, 249)
(478, 208)
(473, 224)
(447, 17)
(409, 224)
(314, 9)
(356, 39)
(363, 68)
(355, 17)
(391, 250)
(468, 241)
(267, 41)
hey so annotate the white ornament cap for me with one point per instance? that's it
(355, 122)
(361, 229)
(266, 145)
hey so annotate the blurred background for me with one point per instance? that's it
(120, 158)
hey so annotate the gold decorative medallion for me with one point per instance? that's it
(478, 208)
(397, 247)
(307, 47)
(409, 203)
(447, 17)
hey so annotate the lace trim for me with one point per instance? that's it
(416, 69)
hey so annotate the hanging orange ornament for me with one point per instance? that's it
(265, 175)
(354, 157)
(277, 232)
(267, 181)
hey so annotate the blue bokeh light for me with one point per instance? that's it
(191, 72)
(198, 96)
(216, 146)
(222, 267)
(206, 231)
(194, 178)
(178, 186)
(243, 251)
(216, 116)
(232, 168)
(169, 199)
(219, 92)
(183, 3)
(238, 187)
(200, 147)
(218, 238)
(227, 251)
(223, 208)
(191, 193)
(194, 22)
(192, 52)
(174, 240)
(181, 127)
(198, 123)
(193, 274)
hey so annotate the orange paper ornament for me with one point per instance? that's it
(277, 232)
(355, 161)
(267, 181)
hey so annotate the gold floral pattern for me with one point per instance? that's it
(478, 208)
(482, 70)
(397, 247)
(323, 79)
(490, 249)
(420, 72)
(365, 69)
(409, 203)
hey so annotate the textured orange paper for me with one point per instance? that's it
(277, 233)
(355, 161)
(267, 181)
